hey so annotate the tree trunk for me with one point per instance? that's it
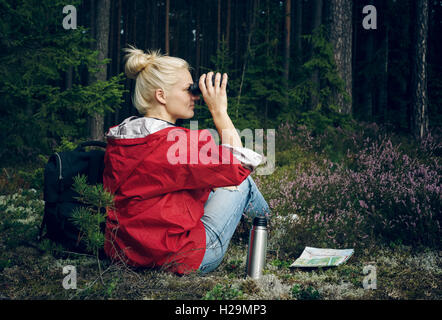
(112, 37)
(176, 35)
(166, 37)
(341, 35)
(68, 79)
(288, 12)
(237, 35)
(268, 28)
(297, 33)
(118, 53)
(197, 39)
(229, 14)
(255, 5)
(317, 14)
(383, 81)
(354, 58)
(154, 23)
(102, 28)
(108, 117)
(93, 21)
(134, 23)
(367, 85)
(316, 22)
(147, 24)
(189, 38)
(287, 40)
(267, 41)
(419, 72)
(218, 29)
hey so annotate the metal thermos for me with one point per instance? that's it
(256, 254)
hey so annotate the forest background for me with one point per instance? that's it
(310, 62)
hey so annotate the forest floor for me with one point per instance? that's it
(31, 270)
(28, 272)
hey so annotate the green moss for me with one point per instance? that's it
(300, 292)
(223, 292)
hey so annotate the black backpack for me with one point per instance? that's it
(59, 197)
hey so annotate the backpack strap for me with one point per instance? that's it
(92, 143)
(95, 166)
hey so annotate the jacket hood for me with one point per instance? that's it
(137, 127)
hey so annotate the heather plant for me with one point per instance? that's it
(430, 147)
(379, 193)
(399, 195)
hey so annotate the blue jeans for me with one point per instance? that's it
(222, 213)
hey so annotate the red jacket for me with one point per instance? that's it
(158, 204)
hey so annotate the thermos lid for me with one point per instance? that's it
(260, 221)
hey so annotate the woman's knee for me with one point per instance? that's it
(257, 204)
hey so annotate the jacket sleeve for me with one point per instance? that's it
(190, 159)
(249, 158)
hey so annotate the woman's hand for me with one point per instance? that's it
(214, 94)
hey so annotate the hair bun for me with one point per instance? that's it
(137, 61)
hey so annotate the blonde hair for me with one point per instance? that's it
(151, 71)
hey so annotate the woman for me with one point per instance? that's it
(177, 201)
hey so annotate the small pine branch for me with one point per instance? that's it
(90, 217)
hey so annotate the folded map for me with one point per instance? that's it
(316, 257)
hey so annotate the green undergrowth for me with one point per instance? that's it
(34, 270)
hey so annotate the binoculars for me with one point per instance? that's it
(195, 89)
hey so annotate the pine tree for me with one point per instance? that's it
(263, 89)
(326, 113)
(37, 108)
(91, 217)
